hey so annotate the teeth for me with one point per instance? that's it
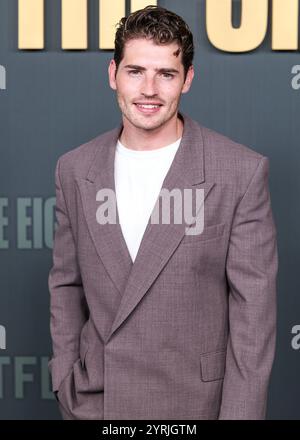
(148, 106)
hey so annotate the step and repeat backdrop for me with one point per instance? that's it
(54, 96)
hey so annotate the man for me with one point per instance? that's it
(150, 320)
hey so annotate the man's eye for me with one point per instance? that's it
(134, 72)
(167, 75)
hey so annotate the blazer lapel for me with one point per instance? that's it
(160, 240)
(108, 238)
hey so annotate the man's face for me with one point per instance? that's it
(149, 83)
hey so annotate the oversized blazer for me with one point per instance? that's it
(188, 330)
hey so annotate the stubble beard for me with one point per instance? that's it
(134, 120)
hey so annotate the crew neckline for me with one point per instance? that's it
(147, 153)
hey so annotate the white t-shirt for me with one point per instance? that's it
(139, 176)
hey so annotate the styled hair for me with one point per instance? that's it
(157, 24)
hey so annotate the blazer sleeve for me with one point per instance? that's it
(251, 270)
(68, 308)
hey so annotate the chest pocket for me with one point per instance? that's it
(209, 232)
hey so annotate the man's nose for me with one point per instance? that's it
(149, 87)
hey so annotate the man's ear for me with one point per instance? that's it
(188, 80)
(112, 68)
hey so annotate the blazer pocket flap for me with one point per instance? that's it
(209, 232)
(213, 365)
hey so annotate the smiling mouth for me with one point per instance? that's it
(148, 108)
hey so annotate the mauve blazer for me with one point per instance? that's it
(188, 330)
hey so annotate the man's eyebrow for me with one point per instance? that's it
(161, 70)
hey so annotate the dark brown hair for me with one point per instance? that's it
(157, 24)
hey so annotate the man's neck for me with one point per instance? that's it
(143, 140)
